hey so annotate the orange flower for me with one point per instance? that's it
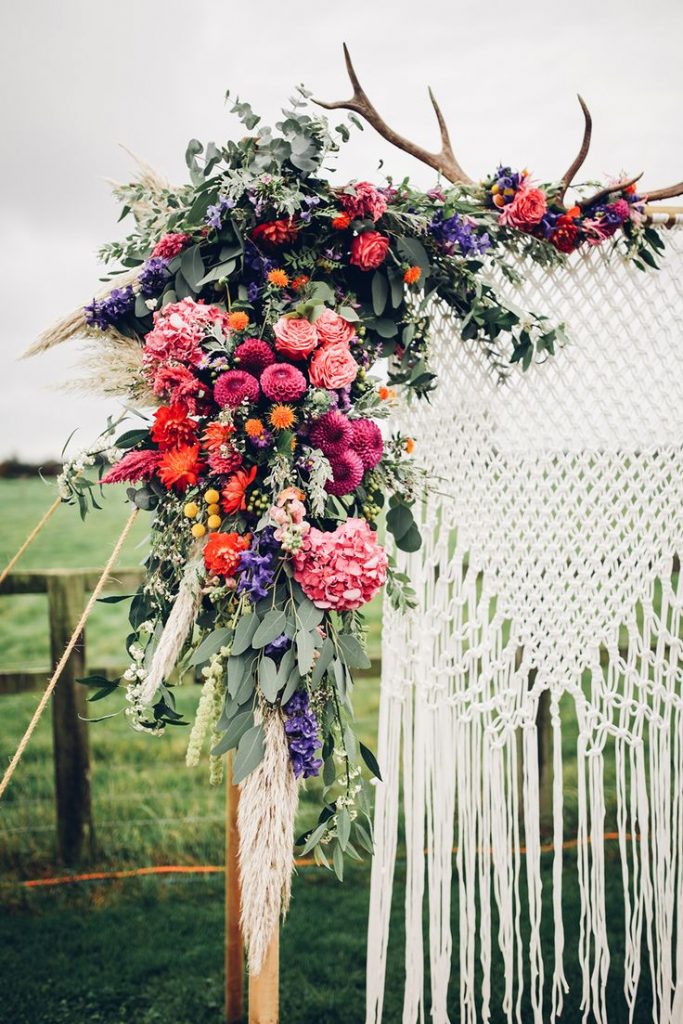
(254, 427)
(222, 552)
(234, 492)
(341, 222)
(386, 394)
(281, 417)
(278, 278)
(180, 467)
(216, 434)
(409, 445)
(300, 282)
(238, 321)
(412, 275)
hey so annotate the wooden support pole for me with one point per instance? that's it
(264, 988)
(75, 832)
(234, 954)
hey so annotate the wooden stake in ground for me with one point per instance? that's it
(264, 987)
(234, 952)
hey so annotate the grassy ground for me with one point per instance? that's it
(150, 950)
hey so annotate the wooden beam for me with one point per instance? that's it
(234, 952)
(37, 582)
(75, 833)
(264, 988)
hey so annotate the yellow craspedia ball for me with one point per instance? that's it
(191, 509)
(214, 509)
(213, 522)
(211, 496)
(198, 530)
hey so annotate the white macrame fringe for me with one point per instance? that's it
(548, 573)
(265, 818)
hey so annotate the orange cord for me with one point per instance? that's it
(218, 869)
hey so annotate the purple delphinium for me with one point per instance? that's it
(277, 647)
(309, 202)
(301, 729)
(104, 313)
(215, 213)
(257, 566)
(450, 232)
(153, 276)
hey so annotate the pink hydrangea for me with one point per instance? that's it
(170, 245)
(234, 387)
(342, 569)
(178, 330)
(366, 201)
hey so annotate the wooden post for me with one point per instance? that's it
(264, 988)
(234, 954)
(75, 833)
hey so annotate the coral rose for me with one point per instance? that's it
(222, 553)
(369, 250)
(527, 208)
(332, 328)
(342, 569)
(332, 367)
(295, 337)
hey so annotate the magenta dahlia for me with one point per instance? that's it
(331, 434)
(347, 473)
(366, 441)
(234, 387)
(282, 382)
(254, 355)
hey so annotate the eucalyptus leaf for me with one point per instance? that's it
(338, 861)
(308, 615)
(273, 625)
(343, 827)
(370, 760)
(237, 667)
(305, 651)
(192, 266)
(323, 662)
(268, 679)
(246, 627)
(210, 645)
(380, 292)
(234, 733)
(353, 651)
(292, 685)
(249, 754)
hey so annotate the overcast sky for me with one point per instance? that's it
(78, 77)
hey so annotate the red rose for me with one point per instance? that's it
(369, 250)
(565, 236)
(275, 232)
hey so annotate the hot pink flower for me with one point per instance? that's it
(282, 382)
(254, 355)
(233, 387)
(366, 440)
(295, 337)
(526, 209)
(369, 250)
(332, 329)
(331, 433)
(132, 467)
(347, 473)
(367, 201)
(342, 569)
(332, 367)
(170, 245)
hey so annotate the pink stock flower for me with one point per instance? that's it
(333, 329)
(132, 467)
(526, 209)
(342, 569)
(367, 201)
(170, 245)
(295, 337)
(332, 367)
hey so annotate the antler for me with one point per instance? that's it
(569, 175)
(444, 161)
(665, 193)
(618, 186)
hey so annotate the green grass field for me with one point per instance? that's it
(150, 950)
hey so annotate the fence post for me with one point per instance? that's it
(264, 987)
(75, 833)
(234, 954)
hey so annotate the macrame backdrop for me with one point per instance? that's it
(549, 572)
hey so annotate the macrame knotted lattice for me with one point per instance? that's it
(548, 581)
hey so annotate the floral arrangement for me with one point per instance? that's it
(248, 312)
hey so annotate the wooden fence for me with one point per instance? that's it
(67, 591)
